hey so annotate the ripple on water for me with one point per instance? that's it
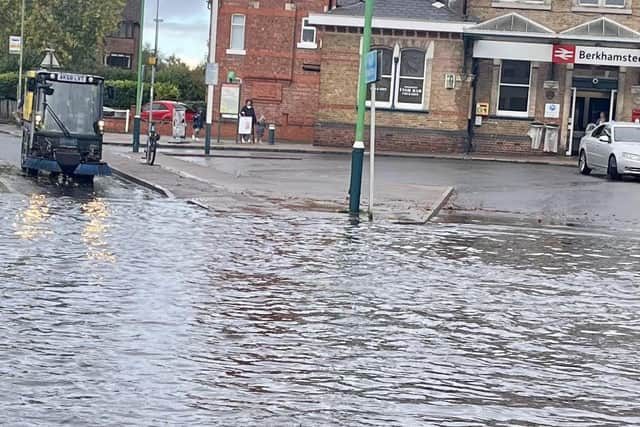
(135, 311)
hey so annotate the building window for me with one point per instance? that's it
(236, 44)
(411, 79)
(513, 96)
(385, 84)
(125, 31)
(118, 60)
(602, 3)
(307, 35)
(402, 79)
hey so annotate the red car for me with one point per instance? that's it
(163, 110)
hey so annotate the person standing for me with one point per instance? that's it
(602, 118)
(249, 111)
(198, 124)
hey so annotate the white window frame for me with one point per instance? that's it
(396, 90)
(234, 50)
(119, 55)
(385, 104)
(511, 113)
(305, 26)
(602, 4)
(394, 87)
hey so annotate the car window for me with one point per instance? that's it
(598, 131)
(626, 134)
(159, 107)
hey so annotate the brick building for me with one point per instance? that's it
(272, 49)
(555, 63)
(422, 99)
(121, 47)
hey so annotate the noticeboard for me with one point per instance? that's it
(230, 100)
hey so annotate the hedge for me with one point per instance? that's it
(125, 93)
(8, 85)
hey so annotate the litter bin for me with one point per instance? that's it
(272, 134)
(535, 133)
(551, 138)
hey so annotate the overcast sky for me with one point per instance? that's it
(184, 30)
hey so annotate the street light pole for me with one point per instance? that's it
(211, 59)
(357, 155)
(153, 69)
(21, 53)
(136, 120)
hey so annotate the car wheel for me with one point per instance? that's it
(582, 164)
(612, 170)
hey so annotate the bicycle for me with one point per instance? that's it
(152, 145)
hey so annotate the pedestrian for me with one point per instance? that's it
(249, 111)
(260, 127)
(602, 119)
(198, 124)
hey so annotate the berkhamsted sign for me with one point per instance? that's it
(569, 54)
(558, 53)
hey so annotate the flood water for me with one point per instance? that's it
(119, 308)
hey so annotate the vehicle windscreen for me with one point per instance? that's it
(76, 105)
(626, 134)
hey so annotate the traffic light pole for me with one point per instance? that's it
(357, 155)
(136, 120)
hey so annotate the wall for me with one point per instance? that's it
(442, 128)
(507, 134)
(272, 70)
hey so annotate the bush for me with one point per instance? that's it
(124, 94)
(167, 91)
(8, 85)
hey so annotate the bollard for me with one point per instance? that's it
(272, 134)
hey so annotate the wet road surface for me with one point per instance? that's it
(121, 308)
(485, 191)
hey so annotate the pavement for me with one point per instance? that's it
(124, 140)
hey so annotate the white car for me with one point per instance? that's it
(611, 146)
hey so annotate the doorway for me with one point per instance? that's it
(586, 106)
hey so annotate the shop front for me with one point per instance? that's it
(538, 91)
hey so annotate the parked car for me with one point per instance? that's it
(163, 110)
(611, 146)
(108, 112)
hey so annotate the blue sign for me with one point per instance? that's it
(371, 68)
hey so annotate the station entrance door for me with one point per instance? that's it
(589, 98)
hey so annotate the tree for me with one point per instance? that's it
(76, 29)
(189, 82)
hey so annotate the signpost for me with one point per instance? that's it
(372, 77)
(211, 73)
(357, 154)
(15, 45)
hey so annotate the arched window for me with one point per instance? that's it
(403, 77)
(384, 87)
(410, 88)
